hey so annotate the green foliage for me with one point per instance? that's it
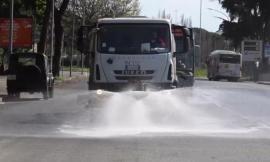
(248, 18)
(91, 10)
(75, 69)
(201, 72)
(21, 8)
(181, 20)
(24, 8)
(40, 6)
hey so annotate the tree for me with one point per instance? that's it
(249, 18)
(88, 11)
(162, 14)
(182, 19)
(45, 26)
(59, 10)
(85, 10)
(22, 8)
(58, 31)
(91, 10)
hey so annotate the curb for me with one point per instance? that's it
(263, 82)
(240, 80)
(1, 101)
(68, 79)
(200, 78)
(245, 79)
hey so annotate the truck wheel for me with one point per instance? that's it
(216, 79)
(45, 94)
(17, 94)
(175, 84)
(233, 79)
(92, 85)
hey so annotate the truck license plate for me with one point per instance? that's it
(133, 72)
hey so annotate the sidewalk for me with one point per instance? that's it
(243, 79)
(200, 78)
(264, 82)
(65, 77)
(3, 84)
(2, 87)
(264, 79)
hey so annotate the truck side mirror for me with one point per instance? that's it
(181, 36)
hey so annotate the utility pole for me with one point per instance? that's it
(201, 33)
(83, 23)
(52, 38)
(72, 42)
(11, 27)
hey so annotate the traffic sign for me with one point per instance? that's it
(267, 49)
(22, 33)
(251, 50)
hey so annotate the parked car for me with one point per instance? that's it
(29, 72)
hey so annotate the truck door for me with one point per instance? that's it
(184, 54)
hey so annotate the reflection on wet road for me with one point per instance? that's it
(207, 109)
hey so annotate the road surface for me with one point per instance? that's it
(212, 121)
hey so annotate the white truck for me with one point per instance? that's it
(185, 55)
(133, 53)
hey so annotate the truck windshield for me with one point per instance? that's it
(134, 39)
(233, 59)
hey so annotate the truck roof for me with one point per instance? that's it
(133, 20)
(217, 52)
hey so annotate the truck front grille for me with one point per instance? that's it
(134, 78)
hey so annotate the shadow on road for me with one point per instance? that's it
(6, 98)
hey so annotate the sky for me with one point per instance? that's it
(190, 8)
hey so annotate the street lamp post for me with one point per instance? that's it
(52, 38)
(83, 23)
(11, 26)
(201, 32)
(72, 42)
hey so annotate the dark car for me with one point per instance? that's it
(28, 72)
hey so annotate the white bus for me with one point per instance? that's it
(222, 64)
(130, 52)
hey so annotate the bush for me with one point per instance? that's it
(201, 72)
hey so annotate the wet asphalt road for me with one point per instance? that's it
(212, 121)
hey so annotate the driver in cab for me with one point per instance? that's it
(157, 41)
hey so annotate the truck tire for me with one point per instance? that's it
(45, 95)
(216, 79)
